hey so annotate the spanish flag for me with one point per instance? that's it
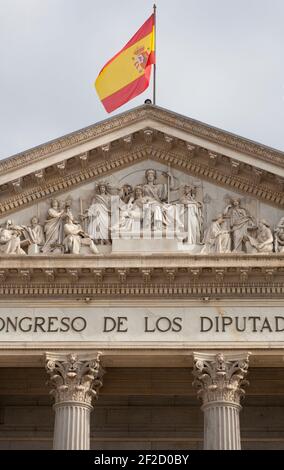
(127, 74)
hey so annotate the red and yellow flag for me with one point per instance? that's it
(127, 74)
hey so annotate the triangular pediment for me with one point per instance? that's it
(144, 133)
(220, 166)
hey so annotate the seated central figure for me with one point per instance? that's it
(160, 213)
(131, 214)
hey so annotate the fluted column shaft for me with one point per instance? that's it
(76, 381)
(222, 426)
(72, 426)
(219, 379)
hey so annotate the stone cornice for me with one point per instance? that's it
(262, 185)
(222, 175)
(181, 276)
(137, 114)
(70, 140)
(152, 260)
(218, 135)
(61, 183)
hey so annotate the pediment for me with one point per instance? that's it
(144, 133)
(221, 167)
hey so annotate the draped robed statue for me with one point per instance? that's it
(10, 239)
(53, 226)
(240, 219)
(217, 237)
(161, 213)
(98, 215)
(192, 211)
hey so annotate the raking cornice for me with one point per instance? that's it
(135, 115)
(178, 157)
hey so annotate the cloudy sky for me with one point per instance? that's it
(218, 61)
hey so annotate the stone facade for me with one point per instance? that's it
(143, 244)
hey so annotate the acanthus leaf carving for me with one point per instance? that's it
(74, 378)
(220, 377)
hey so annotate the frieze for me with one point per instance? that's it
(142, 324)
(84, 292)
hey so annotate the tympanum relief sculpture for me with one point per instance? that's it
(192, 210)
(53, 226)
(279, 236)
(217, 238)
(156, 208)
(98, 214)
(75, 238)
(148, 209)
(259, 238)
(239, 221)
(10, 239)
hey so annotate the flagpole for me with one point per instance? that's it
(154, 71)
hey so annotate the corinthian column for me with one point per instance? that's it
(219, 379)
(75, 382)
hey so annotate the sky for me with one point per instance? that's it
(218, 61)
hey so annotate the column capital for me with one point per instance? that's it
(74, 378)
(220, 377)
